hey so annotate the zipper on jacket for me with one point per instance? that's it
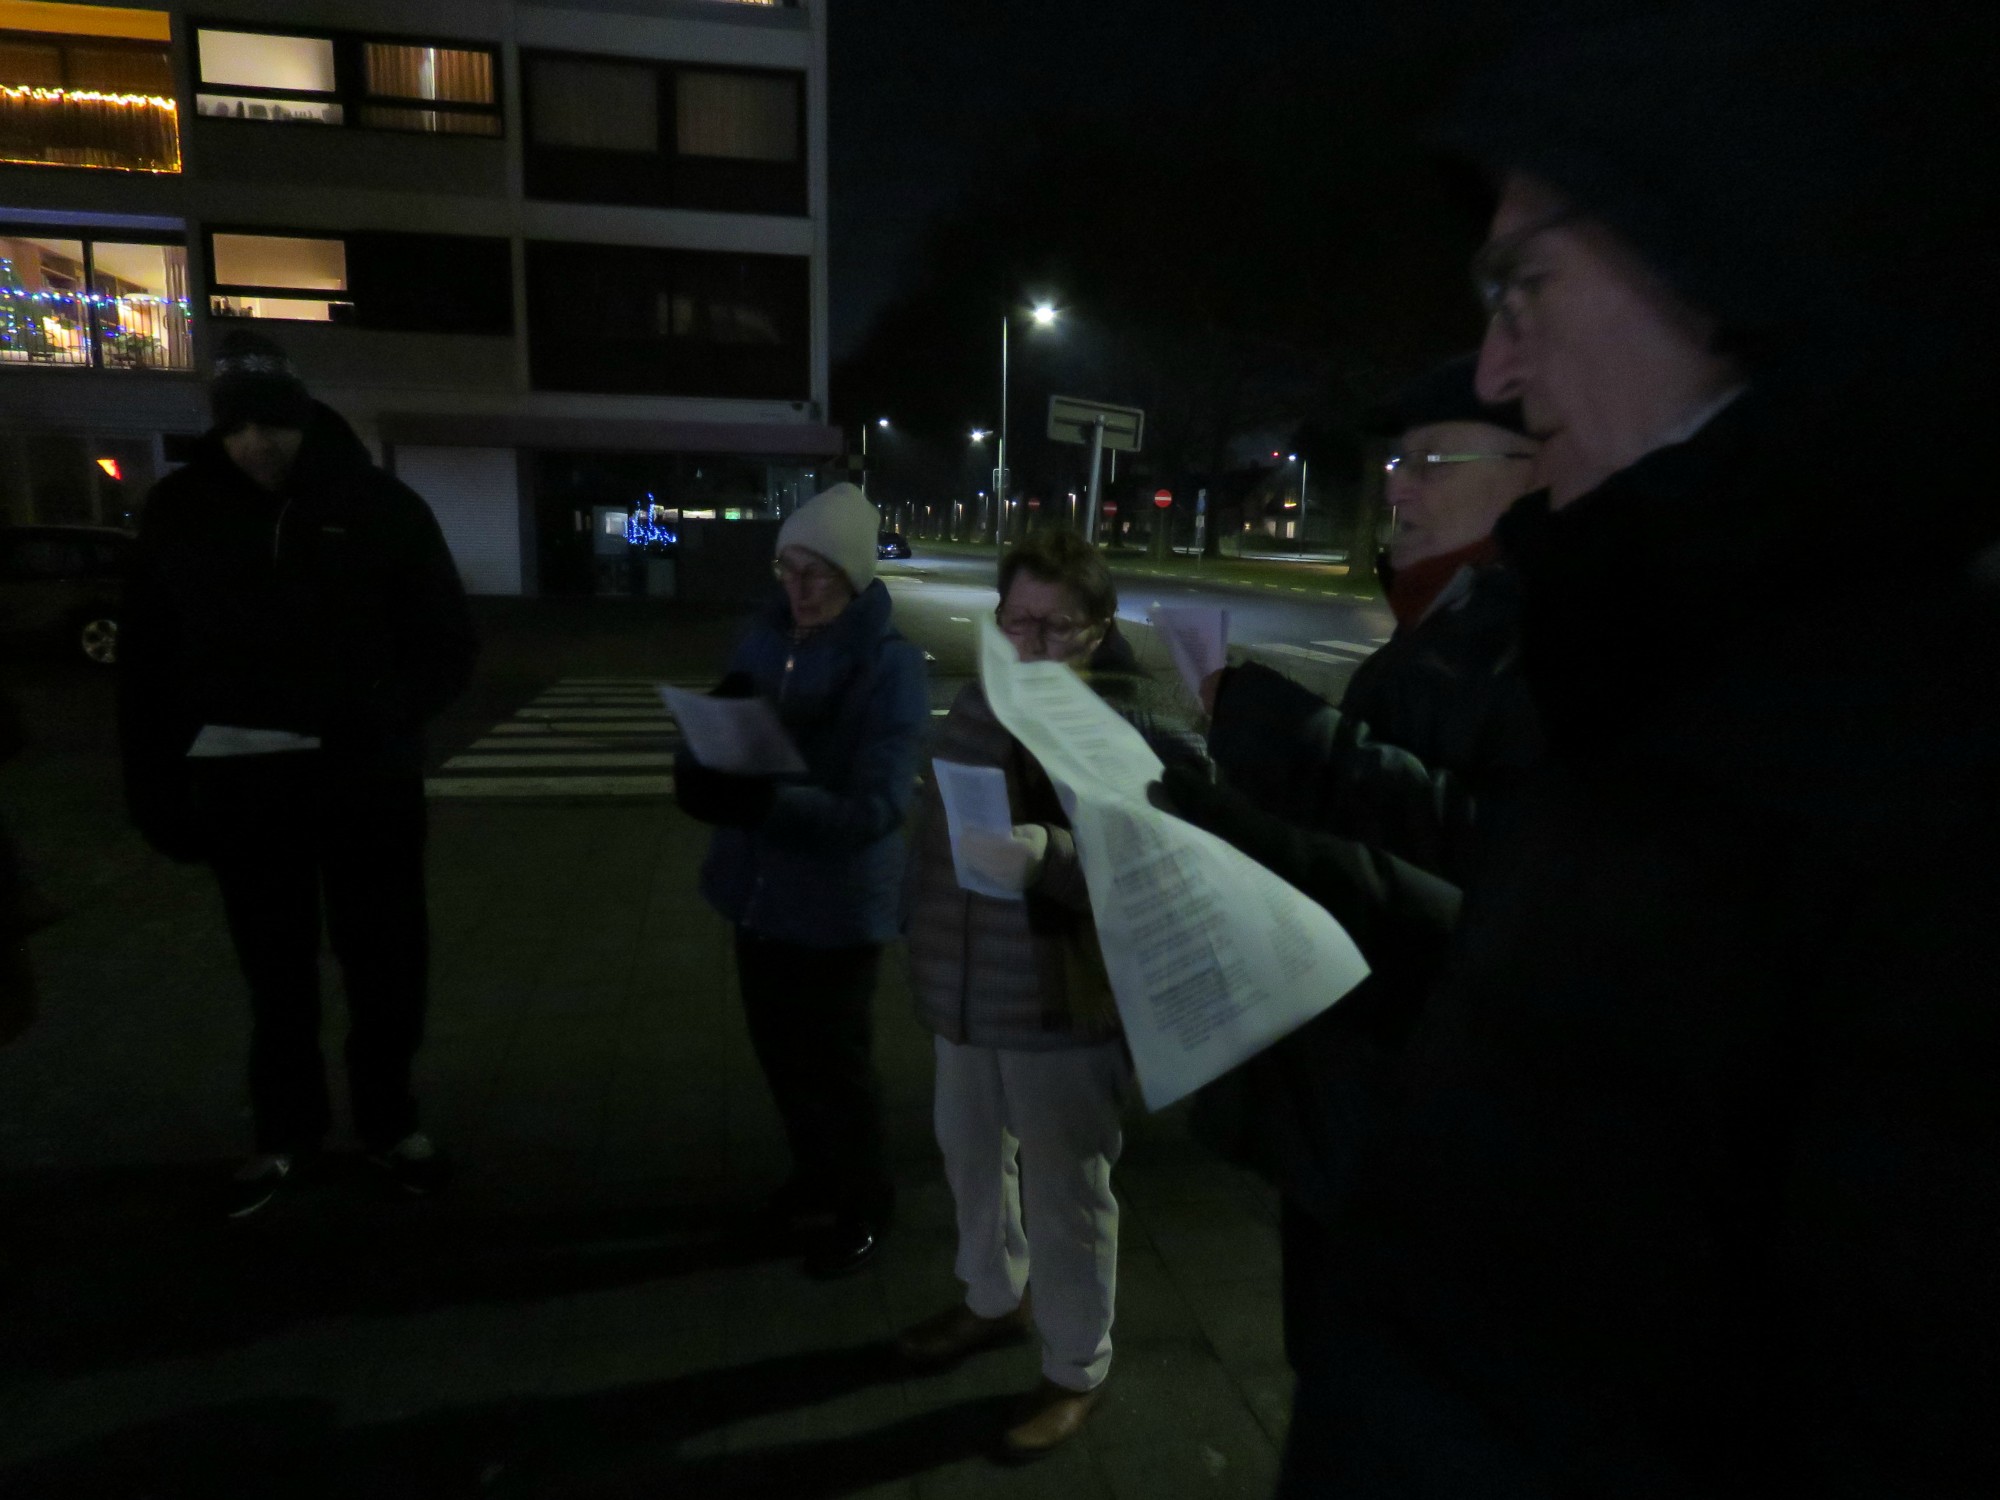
(278, 529)
(785, 678)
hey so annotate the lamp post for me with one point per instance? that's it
(1043, 315)
(1304, 465)
(882, 422)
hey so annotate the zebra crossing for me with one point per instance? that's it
(581, 737)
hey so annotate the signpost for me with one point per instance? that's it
(1102, 425)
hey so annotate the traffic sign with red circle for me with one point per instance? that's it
(1163, 498)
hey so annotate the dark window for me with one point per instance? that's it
(334, 78)
(622, 318)
(409, 283)
(99, 96)
(615, 130)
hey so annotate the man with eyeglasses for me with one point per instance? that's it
(1686, 1182)
(1432, 734)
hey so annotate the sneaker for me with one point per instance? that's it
(257, 1182)
(413, 1166)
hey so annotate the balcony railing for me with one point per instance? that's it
(71, 128)
(131, 332)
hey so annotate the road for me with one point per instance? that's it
(1315, 640)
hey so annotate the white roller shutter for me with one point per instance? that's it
(476, 495)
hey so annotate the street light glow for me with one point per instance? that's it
(881, 421)
(1044, 314)
(979, 434)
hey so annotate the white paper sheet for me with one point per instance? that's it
(975, 802)
(1211, 956)
(739, 735)
(1196, 638)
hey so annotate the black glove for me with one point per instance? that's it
(720, 797)
(735, 685)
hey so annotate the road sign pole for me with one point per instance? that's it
(1096, 468)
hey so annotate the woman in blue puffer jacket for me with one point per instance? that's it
(809, 868)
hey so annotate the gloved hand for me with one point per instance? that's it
(720, 797)
(735, 685)
(1012, 863)
(1190, 793)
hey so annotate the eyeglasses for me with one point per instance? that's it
(808, 576)
(1053, 630)
(1503, 288)
(1421, 466)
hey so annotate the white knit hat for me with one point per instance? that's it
(841, 526)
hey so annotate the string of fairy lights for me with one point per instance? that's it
(38, 95)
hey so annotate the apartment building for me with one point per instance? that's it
(561, 262)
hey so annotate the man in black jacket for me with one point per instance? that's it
(293, 618)
(1433, 728)
(1439, 715)
(1688, 1180)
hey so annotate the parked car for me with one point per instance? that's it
(891, 544)
(60, 587)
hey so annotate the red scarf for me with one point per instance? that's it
(1414, 589)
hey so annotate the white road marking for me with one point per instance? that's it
(538, 742)
(963, 619)
(586, 725)
(658, 714)
(481, 787)
(1326, 658)
(1355, 646)
(557, 762)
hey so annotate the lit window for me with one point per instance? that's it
(280, 78)
(456, 82)
(276, 276)
(80, 302)
(87, 86)
(740, 116)
(594, 106)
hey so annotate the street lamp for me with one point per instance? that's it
(1043, 315)
(882, 422)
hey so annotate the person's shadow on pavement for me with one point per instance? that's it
(116, 1266)
(598, 1446)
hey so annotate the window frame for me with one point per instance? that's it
(679, 180)
(350, 79)
(88, 237)
(62, 41)
(212, 287)
(357, 316)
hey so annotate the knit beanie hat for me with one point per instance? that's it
(841, 526)
(253, 381)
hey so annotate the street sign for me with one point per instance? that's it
(1163, 498)
(1110, 507)
(1074, 420)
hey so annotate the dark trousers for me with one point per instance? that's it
(812, 1024)
(289, 835)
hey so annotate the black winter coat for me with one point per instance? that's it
(1688, 1183)
(332, 609)
(1436, 723)
(1377, 809)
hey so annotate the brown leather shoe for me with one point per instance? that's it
(1053, 1416)
(957, 1332)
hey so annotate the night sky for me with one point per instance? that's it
(925, 98)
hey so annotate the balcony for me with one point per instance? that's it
(93, 304)
(115, 132)
(87, 86)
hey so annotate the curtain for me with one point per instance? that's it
(451, 74)
(741, 116)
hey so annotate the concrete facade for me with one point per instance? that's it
(470, 404)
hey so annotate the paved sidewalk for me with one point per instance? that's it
(574, 1319)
